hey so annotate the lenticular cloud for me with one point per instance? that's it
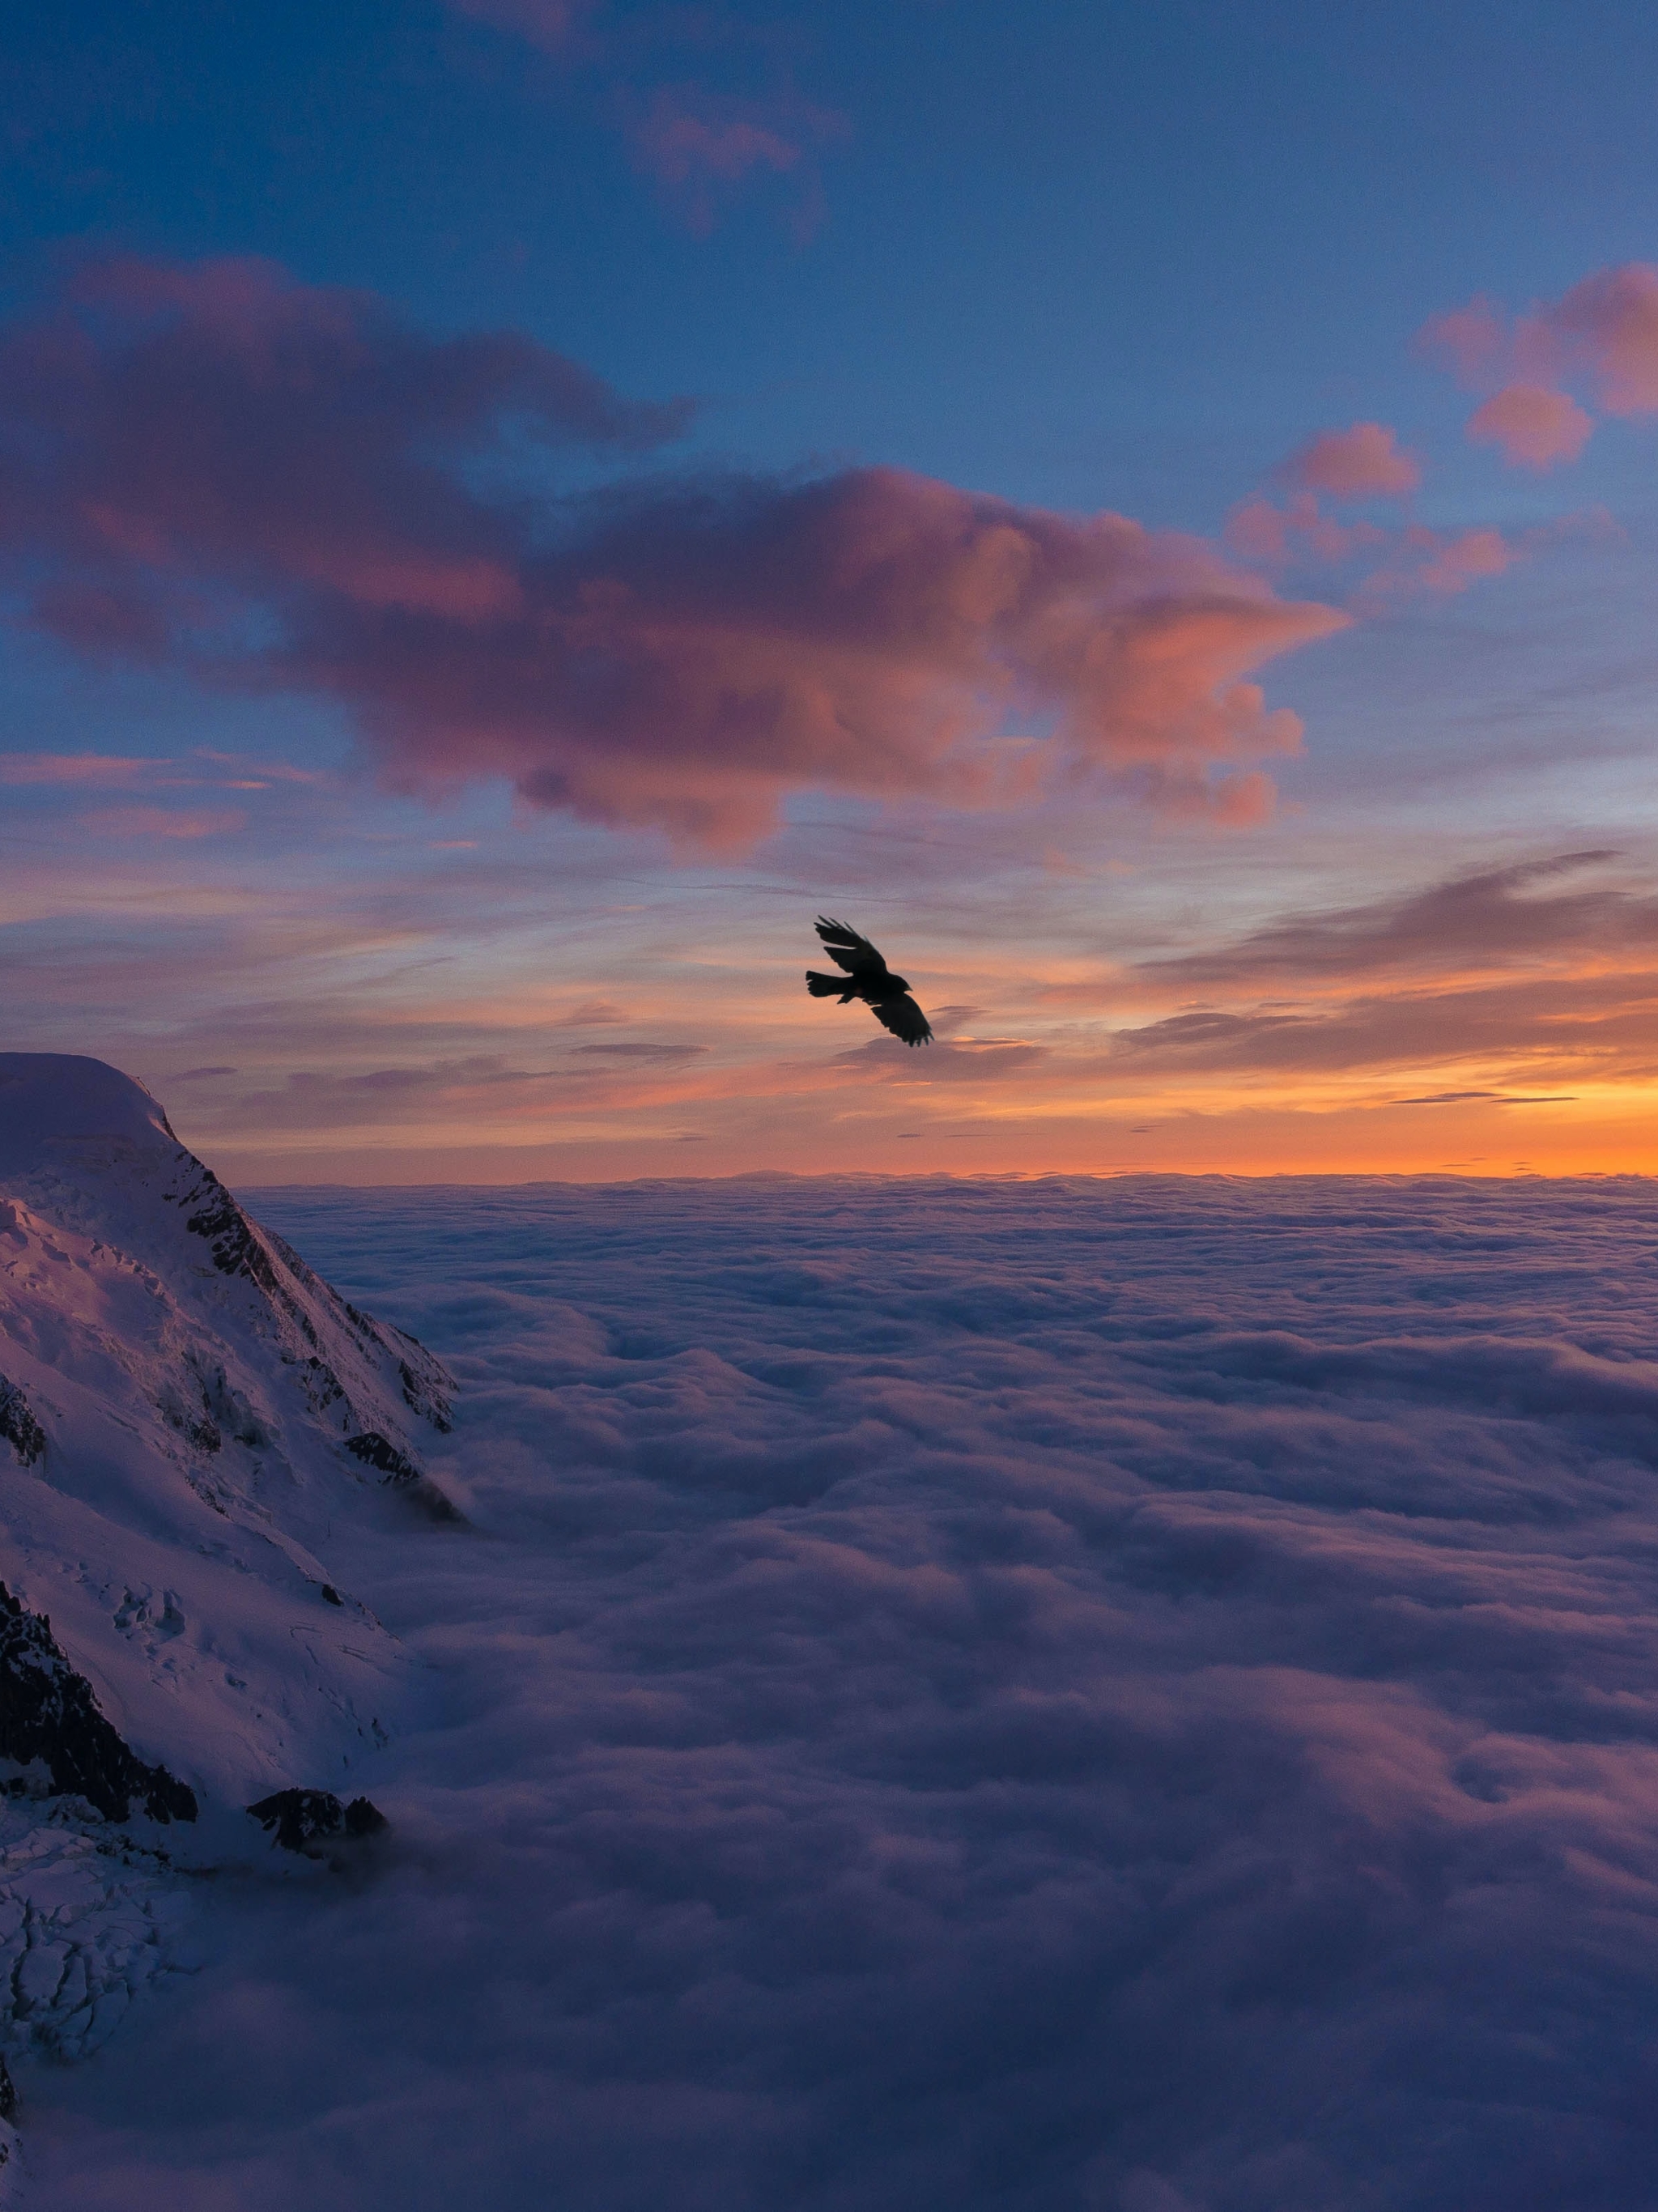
(271, 484)
(1058, 1697)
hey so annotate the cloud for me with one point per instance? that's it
(1129, 1695)
(271, 486)
(1472, 341)
(1361, 462)
(72, 768)
(662, 1052)
(1493, 918)
(1602, 334)
(1527, 967)
(1609, 325)
(1581, 1029)
(1386, 564)
(1536, 428)
(699, 146)
(1500, 1098)
(149, 822)
(478, 1090)
(1383, 566)
(114, 771)
(1298, 533)
(958, 1059)
(698, 143)
(1450, 565)
(552, 25)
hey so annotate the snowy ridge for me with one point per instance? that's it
(189, 1416)
(188, 1410)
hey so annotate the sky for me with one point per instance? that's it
(1071, 1696)
(509, 508)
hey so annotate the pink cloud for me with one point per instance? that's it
(697, 145)
(1609, 324)
(1427, 561)
(1535, 427)
(1602, 334)
(1297, 534)
(552, 25)
(1261, 532)
(148, 822)
(290, 469)
(198, 428)
(1456, 563)
(58, 768)
(1361, 462)
(1472, 341)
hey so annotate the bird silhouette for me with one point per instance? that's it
(868, 978)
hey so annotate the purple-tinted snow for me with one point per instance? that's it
(1062, 1697)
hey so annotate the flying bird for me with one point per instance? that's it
(868, 978)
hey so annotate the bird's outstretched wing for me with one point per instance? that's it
(854, 953)
(905, 1019)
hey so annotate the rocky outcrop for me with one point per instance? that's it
(18, 1425)
(398, 1470)
(380, 1453)
(49, 1713)
(301, 1819)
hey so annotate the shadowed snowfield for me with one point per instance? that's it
(1064, 1697)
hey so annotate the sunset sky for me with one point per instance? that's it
(509, 508)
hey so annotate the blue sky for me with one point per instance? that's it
(1081, 254)
(1079, 259)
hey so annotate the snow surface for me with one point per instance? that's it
(1136, 1696)
(196, 1384)
(177, 1396)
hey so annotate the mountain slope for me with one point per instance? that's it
(187, 1413)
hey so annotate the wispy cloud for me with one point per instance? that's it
(700, 143)
(144, 821)
(700, 147)
(555, 26)
(51, 769)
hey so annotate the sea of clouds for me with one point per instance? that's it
(1061, 1696)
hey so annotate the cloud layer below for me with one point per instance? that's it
(1080, 1698)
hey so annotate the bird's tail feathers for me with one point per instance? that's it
(826, 986)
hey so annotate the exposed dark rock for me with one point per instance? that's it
(18, 1425)
(192, 1422)
(225, 1406)
(303, 1818)
(364, 1819)
(208, 1407)
(332, 1595)
(325, 1386)
(48, 1712)
(8, 2093)
(379, 1452)
(420, 1397)
(236, 1248)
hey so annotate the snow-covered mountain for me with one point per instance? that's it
(190, 1419)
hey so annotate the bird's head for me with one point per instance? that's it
(898, 983)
